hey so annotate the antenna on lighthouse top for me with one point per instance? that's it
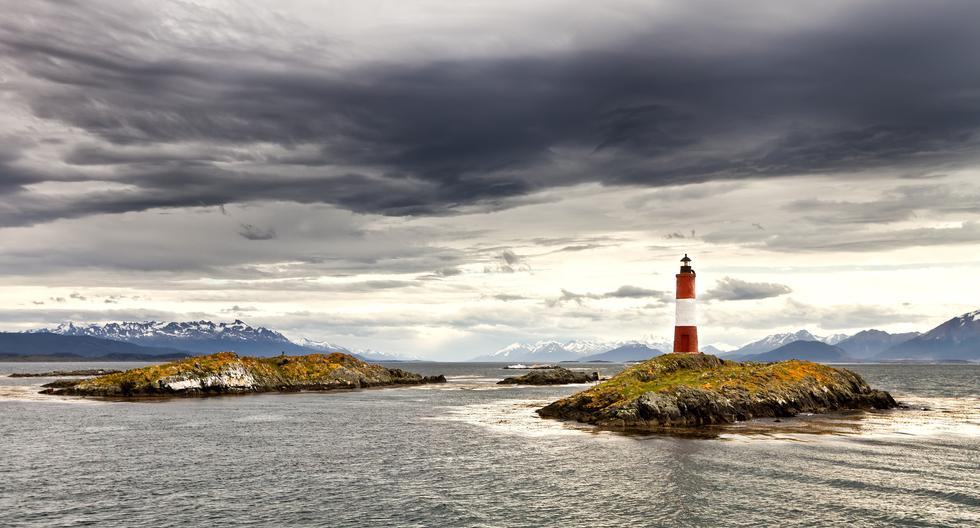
(686, 264)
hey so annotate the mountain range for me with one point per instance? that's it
(954, 340)
(579, 350)
(957, 339)
(16, 346)
(628, 352)
(775, 341)
(189, 338)
(809, 350)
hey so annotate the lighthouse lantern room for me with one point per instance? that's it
(686, 326)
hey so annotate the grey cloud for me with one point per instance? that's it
(508, 262)
(251, 232)
(857, 240)
(634, 292)
(581, 247)
(510, 257)
(420, 138)
(731, 289)
(896, 205)
(505, 297)
(792, 312)
(623, 292)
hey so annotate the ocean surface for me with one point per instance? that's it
(470, 453)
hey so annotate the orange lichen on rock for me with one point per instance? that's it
(227, 372)
(685, 390)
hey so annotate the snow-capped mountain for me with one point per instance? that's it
(198, 337)
(772, 342)
(550, 351)
(630, 352)
(956, 339)
(207, 337)
(833, 339)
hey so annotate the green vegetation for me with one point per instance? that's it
(697, 389)
(226, 372)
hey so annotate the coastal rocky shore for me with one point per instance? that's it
(552, 376)
(685, 390)
(229, 373)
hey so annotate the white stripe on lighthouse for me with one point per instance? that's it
(687, 314)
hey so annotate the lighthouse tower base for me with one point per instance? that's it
(686, 340)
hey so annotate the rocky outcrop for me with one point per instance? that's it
(228, 373)
(555, 376)
(684, 390)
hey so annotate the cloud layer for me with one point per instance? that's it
(182, 106)
(450, 176)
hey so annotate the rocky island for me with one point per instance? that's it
(685, 390)
(229, 373)
(551, 376)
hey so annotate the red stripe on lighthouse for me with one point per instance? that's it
(686, 325)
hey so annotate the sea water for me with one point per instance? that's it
(471, 453)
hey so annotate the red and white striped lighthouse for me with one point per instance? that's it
(686, 327)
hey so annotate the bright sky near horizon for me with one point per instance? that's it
(441, 179)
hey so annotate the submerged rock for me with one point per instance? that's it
(227, 373)
(555, 376)
(683, 390)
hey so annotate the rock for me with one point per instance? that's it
(61, 384)
(684, 390)
(228, 373)
(555, 376)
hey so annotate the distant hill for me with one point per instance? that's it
(628, 352)
(708, 349)
(869, 343)
(365, 355)
(808, 350)
(553, 351)
(956, 339)
(53, 347)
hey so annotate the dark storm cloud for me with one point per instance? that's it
(882, 85)
(731, 289)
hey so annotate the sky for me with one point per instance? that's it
(441, 179)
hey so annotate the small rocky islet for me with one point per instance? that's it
(229, 373)
(551, 376)
(693, 390)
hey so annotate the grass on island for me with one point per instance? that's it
(310, 368)
(669, 371)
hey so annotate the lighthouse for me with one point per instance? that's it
(686, 327)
